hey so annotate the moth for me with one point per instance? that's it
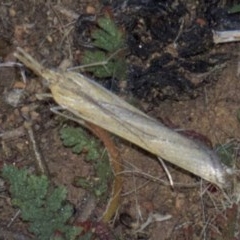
(93, 103)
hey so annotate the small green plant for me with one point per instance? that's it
(109, 40)
(226, 153)
(81, 142)
(234, 9)
(44, 207)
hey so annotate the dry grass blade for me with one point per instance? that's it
(93, 103)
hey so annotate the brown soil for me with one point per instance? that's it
(46, 34)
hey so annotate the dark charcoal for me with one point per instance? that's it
(155, 26)
(195, 40)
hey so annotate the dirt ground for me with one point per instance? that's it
(196, 213)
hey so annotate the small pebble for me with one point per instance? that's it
(12, 12)
(90, 9)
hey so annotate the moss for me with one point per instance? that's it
(44, 207)
(81, 142)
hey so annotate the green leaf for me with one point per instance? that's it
(87, 236)
(73, 232)
(100, 189)
(73, 137)
(226, 153)
(109, 39)
(33, 186)
(234, 9)
(103, 68)
(52, 201)
(78, 140)
(43, 207)
(83, 183)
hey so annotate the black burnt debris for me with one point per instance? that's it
(169, 45)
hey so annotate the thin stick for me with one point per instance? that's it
(101, 63)
(39, 160)
(166, 170)
(14, 218)
(226, 36)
